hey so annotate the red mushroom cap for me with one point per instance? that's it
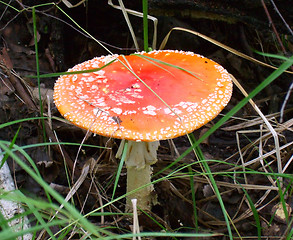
(164, 101)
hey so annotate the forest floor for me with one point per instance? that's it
(241, 153)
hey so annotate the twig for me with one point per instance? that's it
(280, 15)
(283, 49)
(137, 14)
(273, 26)
(269, 126)
(6, 66)
(27, 8)
(285, 102)
(5, 10)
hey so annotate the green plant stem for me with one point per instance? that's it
(38, 71)
(145, 25)
(123, 157)
(10, 147)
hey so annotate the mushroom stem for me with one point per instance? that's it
(139, 158)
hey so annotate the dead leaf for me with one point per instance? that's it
(5, 59)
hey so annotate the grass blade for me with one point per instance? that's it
(145, 25)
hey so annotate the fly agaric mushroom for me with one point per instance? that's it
(143, 98)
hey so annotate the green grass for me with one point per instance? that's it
(41, 211)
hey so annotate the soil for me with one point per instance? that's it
(61, 45)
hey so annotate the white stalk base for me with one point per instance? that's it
(140, 156)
